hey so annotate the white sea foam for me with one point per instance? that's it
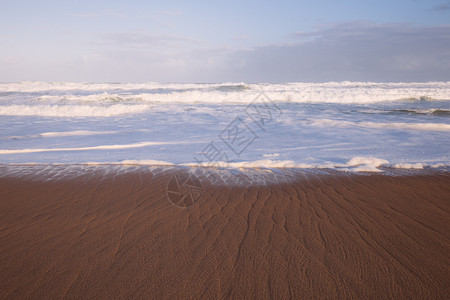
(358, 164)
(414, 166)
(71, 110)
(429, 111)
(355, 164)
(60, 134)
(143, 162)
(365, 164)
(271, 155)
(381, 125)
(101, 147)
(331, 92)
(309, 94)
(74, 133)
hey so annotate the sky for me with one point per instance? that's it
(225, 41)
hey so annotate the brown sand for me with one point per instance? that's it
(320, 236)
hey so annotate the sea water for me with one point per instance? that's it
(359, 126)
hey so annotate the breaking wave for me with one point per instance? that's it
(71, 110)
(331, 92)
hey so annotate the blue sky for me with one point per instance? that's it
(224, 41)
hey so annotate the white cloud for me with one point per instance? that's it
(358, 51)
(352, 51)
(442, 7)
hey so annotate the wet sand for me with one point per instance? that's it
(164, 234)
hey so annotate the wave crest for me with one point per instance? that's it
(71, 110)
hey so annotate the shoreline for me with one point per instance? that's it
(85, 231)
(84, 168)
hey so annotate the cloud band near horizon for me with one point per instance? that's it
(354, 51)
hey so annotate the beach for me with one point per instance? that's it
(120, 232)
(225, 150)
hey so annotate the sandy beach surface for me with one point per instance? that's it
(175, 233)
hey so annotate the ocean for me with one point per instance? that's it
(350, 126)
